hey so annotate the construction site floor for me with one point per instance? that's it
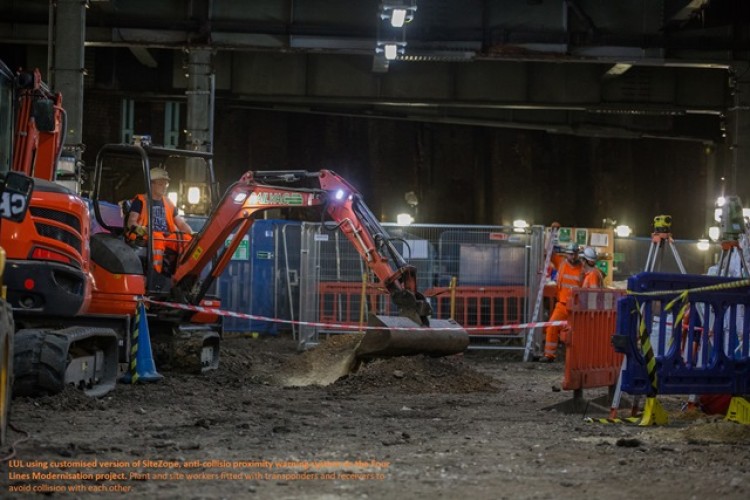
(468, 426)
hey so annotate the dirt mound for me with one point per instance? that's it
(333, 363)
(322, 365)
(415, 375)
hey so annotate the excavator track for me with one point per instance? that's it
(45, 361)
(186, 349)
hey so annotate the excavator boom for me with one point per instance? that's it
(412, 332)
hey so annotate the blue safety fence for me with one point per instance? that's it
(684, 343)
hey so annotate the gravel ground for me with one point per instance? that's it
(265, 426)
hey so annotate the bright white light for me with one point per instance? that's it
(172, 195)
(520, 225)
(240, 197)
(623, 231)
(398, 17)
(194, 195)
(404, 219)
(714, 232)
(339, 194)
(702, 244)
(746, 213)
(720, 201)
(391, 50)
(717, 214)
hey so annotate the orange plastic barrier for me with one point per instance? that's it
(340, 301)
(590, 359)
(481, 306)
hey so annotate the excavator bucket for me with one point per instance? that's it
(392, 336)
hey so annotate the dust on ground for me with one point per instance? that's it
(471, 425)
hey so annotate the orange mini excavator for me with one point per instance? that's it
(204, 257)
(74, 284)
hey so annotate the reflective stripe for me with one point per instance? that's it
(569, 276)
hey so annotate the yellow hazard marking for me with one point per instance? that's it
(710, 288)
(627, 420)
(197, 253)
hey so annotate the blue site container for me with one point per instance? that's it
(255, 281)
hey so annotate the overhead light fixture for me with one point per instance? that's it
(398, 12)
(398, 17)
(714, 233)
(390, 50)
(617, 70)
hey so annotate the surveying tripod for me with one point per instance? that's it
(730, 248)
(660, 238)
(733, 226)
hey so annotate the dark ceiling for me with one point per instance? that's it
(625, 68)
(529, 73)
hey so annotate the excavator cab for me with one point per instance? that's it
(184, 340)
(123, 171)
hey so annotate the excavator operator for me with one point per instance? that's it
(170, 231)
(569, 275)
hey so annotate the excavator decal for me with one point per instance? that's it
(291, 199)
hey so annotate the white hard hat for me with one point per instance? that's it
(158, 173)
(589, 254)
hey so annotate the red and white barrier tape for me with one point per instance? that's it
(344, 326)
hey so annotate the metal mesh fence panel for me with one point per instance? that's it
(496, 272)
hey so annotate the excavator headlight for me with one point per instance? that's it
(339, 194)
(240, 197)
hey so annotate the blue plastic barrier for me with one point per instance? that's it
(687, 358)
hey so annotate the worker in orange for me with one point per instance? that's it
(592, 275)
(169, 229)
(569, 275)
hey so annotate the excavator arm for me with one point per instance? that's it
(40, 127)
(412, 332)
(323, 190)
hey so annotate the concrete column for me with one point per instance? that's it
(738, 133)
(68, 32)
(200, 100)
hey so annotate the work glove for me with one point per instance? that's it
(139, 231)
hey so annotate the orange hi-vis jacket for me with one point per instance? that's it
(593, 279)
(144, 216)
(162, 241)
(569, 276)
